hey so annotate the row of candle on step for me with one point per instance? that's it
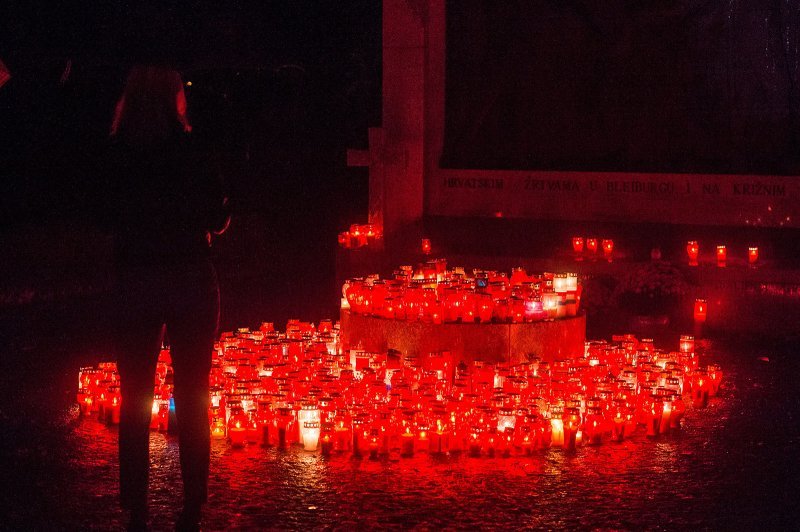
(437, 294)
(693, 251)
(360, 235)
(99, 392)
(589, 246)
(301, 388)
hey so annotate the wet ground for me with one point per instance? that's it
(734, 465)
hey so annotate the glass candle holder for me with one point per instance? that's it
(608, 248)
(561, 309)
(678, 410)
(577, 246)
(237, 427)
(505, 419)
(422, 444)
(700, 310)
(595, 426)
(722, 255)
(571, 427)
(342, 439)
(560, 283)
(326, 439)
(309, 412)
(752, 255)
(113, 405)
(572, 282)
(517, 310)
(310, 435)
(533, 309)
(407, 442)
(369, 230)
(693, 251)
(556, 432)
(550, 302)
(686, 343)
(485, 308)
(425, 245)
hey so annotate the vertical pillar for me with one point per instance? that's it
(372, 158)
(404, 50)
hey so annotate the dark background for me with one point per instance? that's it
(276, 82)
(705, 86)
(279, 91)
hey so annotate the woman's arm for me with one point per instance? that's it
(180, 105)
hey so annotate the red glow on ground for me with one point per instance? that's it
(263, 382)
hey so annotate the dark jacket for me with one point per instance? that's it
(163, 201)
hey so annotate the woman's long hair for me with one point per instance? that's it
(152, 108)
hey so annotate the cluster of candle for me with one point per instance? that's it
(436, 294)
(360, 235)
(99, 392)
(589, 247)
(301, 388)
(700, 310)
(693, 251)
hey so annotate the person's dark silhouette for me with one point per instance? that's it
(164, 203)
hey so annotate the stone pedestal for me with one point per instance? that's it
(492, 342)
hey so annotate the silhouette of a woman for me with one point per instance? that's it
(163, 205)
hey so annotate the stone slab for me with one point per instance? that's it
(491, 342)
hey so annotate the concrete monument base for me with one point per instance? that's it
(509, 343)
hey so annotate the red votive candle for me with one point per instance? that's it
(343, 437)
(693, 250)
(326, 442)
(407, 443)
(550, 304)
(700, 310)
(577, 246)
(517, 310)
(422, 445)
(608, 248)
(236, 433)
(426, 246)
(556, 432)
(678, 409)
(438, 442)
(113, 408)
(218, 428)
(618, 429)
(722, 256)
(752, 255)
(687, 343)
(485, 308)
(344, 239)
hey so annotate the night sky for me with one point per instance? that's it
(279, 91)
(686, 86)
(289, 74)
